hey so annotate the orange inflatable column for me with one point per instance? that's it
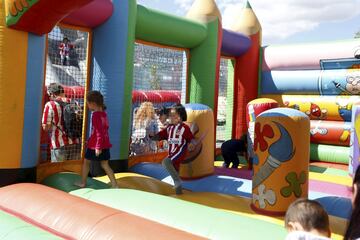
(282, 147)
(253, 109)
(200, 162)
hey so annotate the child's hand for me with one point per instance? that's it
(98, 152)
(191, 147)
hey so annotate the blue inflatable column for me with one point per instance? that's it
(112, 71)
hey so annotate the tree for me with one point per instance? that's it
(155, 80)
(357, 34)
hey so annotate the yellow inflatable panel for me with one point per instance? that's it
(336, 108)
(13, 57)
(347, 181)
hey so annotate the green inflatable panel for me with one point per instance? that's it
(65, 182)
(190, 217)
(166, 29)
(329, 153)
(12, 228)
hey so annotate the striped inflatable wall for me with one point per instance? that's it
(323, 81)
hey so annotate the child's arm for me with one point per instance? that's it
(99, 132)
(162, 135)
(47, 117)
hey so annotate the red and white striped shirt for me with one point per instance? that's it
(53, 115)
(65, 49)
(178, 137)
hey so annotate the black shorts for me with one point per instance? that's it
(90, 155)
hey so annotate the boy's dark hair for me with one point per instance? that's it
(55, 89)
(163, 111)
(96, 97)
(353, 229)
(65, 38)
(180, 109)
(309, 214)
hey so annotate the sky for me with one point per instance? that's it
(284, 21)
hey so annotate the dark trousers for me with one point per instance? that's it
(229, 151)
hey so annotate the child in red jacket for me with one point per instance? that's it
(98, 145)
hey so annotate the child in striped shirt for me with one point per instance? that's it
(180, 140)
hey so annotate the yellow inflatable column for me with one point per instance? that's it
(282, 147)
(13, 55)
(200, 162)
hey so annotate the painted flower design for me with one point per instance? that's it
(260, 135)
(295, 183)
(264, 196)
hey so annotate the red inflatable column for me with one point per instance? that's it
(246, 68)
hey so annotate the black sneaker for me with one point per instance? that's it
(178, 190)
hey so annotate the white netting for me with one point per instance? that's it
(66, 65)
(159, 78)
(225, 101)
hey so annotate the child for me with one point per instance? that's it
(230, 150)
(180, 139)
(145, 124)
(163, 115)
(353, 229)
(98, 145)
(163, 122)
(65, 48)
(307, 220)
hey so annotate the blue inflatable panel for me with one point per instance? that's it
(290, 82)
(196, 106)
(214, 183)
(153, 170)
(319, 82)
(335, 206)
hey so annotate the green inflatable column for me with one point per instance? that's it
(205, 58)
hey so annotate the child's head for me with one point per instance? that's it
(177, 114)
(353, 230)
(95, 100)
(65, 40)
(55, 90)
(145, 112)
(309, 216)
(163, 114)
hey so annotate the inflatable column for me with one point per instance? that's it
(246, 67)
(200, 162)
(204, 63)
(253, 109)
(281, 144)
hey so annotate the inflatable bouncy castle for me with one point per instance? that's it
(298, 104)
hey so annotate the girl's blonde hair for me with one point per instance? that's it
(145, 112)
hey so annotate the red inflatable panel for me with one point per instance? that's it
(330, 132)
(72, 217)
(257, 106)
(44, 15)
(245, 84)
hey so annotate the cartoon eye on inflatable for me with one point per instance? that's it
(357, 52)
